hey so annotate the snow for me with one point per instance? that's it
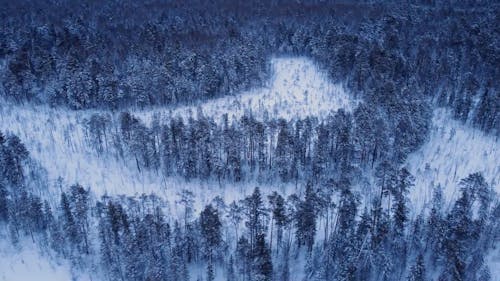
(28, 264)
(453, 151)
(298, 87)
(55, 137)
(492, 259)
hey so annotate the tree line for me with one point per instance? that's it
(343, 144)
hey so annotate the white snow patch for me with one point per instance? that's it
(453, 151)
(27, 264)
(297, 88)
(492, 259)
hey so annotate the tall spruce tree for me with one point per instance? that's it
(305, 219)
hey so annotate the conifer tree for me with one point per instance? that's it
(4, 203)
(417, 271)
(262, 266)
(210, 229)
(306, 219)
(255, 214)
(279, 217)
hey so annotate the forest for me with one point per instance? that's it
(346, 214)
(255, 238)
(113, 54)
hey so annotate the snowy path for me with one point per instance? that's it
(56, 137)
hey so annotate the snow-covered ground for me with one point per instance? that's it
(55, 137)
(297, 88)
(27, 263)
(453, 151)
(493, 261)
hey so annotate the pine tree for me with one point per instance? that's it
(261, 139)
(284, 274)
(262, 266)
(56, 234)
(210, 271)
(232, 148)
(190, 164)
(486, 115)
(187, 200)
(279, 217)
(4, 204)
(305, 219)
(231, 274)
(283, 152)
(436, 225)
(343, 145)
(235, 216)
(400, 210)
(14, 155)
(477, 187)
(210, 229)
(36, 220)
(166, 150)
(244, 257)
(255, 214)
(80, 199)
(347, 208)
(417, 271)
(458, 235)
(69, 225)
(339, 259)
(178, 262)
(319, 160)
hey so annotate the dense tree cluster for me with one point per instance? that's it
(397, 56)
(343, 144)
(138, 238)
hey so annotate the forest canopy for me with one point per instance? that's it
(111, 54)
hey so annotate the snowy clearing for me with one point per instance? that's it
(56, 137)
(453, 151)
(297, 88)
(28, 263)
